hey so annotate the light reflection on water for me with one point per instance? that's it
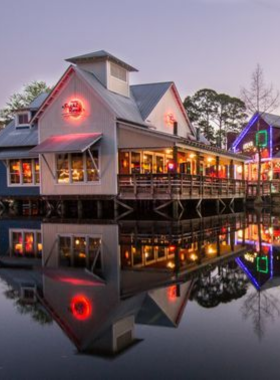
(183, 300)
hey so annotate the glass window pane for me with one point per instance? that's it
(17, 243)
(135, 162)
(39, 244)
(79, 251)
(14, 171)
(64, 245)
(27, 175)
(94, 253)
(92, 166)
(159, 164)
(62, 167)
(77, 167)
(29, 244)
(37, 171)
(147, 163)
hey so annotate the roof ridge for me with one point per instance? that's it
(154, 83)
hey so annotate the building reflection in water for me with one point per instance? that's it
(97, 280)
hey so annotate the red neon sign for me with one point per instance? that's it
(80, 307)
(74, 108)
(170, 119)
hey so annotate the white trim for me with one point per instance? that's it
(76, 235)
(85, 181)
(21, 184)
(24, 231)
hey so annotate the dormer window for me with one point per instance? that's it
(118, 72)
(23, 118)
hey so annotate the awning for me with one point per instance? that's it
(74, 143)
(11, 154)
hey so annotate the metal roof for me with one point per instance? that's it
(37, 102)
(16, 153)
(273, 120)
(11, 136)
(73, 143)
(124, 108)
(148, 95)
(99, 55)
(213, 149)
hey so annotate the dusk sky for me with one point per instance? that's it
(196, 43)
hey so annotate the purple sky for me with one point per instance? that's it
(196, 43)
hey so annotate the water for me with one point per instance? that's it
(140, 299)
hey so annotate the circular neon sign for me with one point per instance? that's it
(74, 108)
(81, 307)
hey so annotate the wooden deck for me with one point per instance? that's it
(179, 186)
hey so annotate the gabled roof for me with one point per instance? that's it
(100, 55)
(123, 107)
(148, 95)
(271, 119)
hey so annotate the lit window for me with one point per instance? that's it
(84, 167)
(92, 165)
(24, 172)
(37, 171)
(62, 164)
(14, 171)
(26, 243)
(80, 251)
(27, 172)
(77, 167)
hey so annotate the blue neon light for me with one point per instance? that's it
(270, 143)
(248, 273)
(243, 133)
(271, 262)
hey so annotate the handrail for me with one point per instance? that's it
(180, 184)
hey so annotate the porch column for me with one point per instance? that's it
(217, 165)
(175, 159)
(243, 171)
(198, 164)
(231, 170)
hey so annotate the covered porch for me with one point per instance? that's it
(180, 171)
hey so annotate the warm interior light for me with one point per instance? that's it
(170, 265)
(192, 155)
(209, 159)
(193, 257)
(168, 151)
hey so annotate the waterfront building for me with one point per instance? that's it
(100, 137)
(260, 136)
(19, 168)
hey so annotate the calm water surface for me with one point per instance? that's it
(188, 300)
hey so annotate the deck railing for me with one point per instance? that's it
(266, 188)
(172, 186)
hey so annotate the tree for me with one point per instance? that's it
(230, 116)
(259, 98)
(216, 114)
(22, 99)
(201, 108)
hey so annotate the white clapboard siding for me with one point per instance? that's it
(97, 118)
(168, 104)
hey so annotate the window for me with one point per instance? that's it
(26, 243)
(24, 172)
(23, 119)
(80, 252)
(78, 167)
(118, 72)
